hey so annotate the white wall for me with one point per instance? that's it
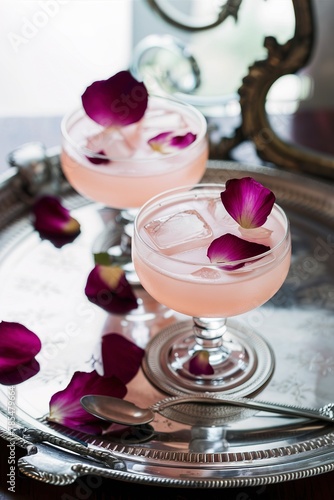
(50, 50)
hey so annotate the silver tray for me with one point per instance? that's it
(42, 287)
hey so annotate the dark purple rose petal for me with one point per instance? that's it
(98, 159)
(52, 219)
(18, 346)
(20, 373)
(247, 201)
(65, 407)
(230, 248)
(118, 101)
(166, 142)
(58, 240)
(121, 357)
(199, 364)
(183, 141)
(108, 288)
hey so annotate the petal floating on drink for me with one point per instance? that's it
(167, 142)
(98, 158)
(117, 101)
(228, 248)
(65, 407)
(108, 288)
(121, 357)
(247, 201)
(199, 364)
(53, 221)
(18, 348)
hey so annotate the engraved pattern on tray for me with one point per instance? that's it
(44, 289)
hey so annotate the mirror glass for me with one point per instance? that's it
(223, 54)
(309, 119)
(217, 68)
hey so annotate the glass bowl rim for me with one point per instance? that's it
(80, 112)
(221, 266)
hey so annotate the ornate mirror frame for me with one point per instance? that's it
(281, 60)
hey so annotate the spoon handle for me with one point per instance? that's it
(284, 409)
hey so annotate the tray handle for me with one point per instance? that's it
(47, 460)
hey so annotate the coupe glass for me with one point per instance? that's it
(172, 234)
(136, 172)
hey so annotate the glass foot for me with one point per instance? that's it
(243, 362)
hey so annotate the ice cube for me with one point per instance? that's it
(207, 273)
(219, 213)
(256, 233)
(157, 121)
(179, 232)
(116, 143)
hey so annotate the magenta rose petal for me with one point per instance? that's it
(199, 364)
(108, 288)
(20, 373)
(65, 407)
(53, 221)
(121, 357)
(18, 348)
(229, 248)
(247, 201)
(182, 141)
(52, 217)
(98, 158)
(117, 101)
(166, 142)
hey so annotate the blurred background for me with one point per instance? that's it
(51, 50)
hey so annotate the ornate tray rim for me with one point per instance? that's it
(68, 457)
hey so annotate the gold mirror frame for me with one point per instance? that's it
(174, 17)
(255, 126)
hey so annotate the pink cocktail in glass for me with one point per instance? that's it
(172, 234)
(133, 172)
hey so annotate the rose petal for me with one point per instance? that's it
(121, 357)
(247, 201)
(99, 158)
(117, 101)
(108, 288)
(166, 142)
(229, 248)
(20, 373)
(53, 219)
(65, 407)
(18, 346)
(199, 364)
(183, 141)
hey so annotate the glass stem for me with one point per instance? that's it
(209, 332)
(126, 220)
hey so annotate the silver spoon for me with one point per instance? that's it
(124, 412)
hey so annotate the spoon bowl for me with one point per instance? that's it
(124, 412)
(116, 410)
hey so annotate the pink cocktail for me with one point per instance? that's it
(172, 234)
(133, 172)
